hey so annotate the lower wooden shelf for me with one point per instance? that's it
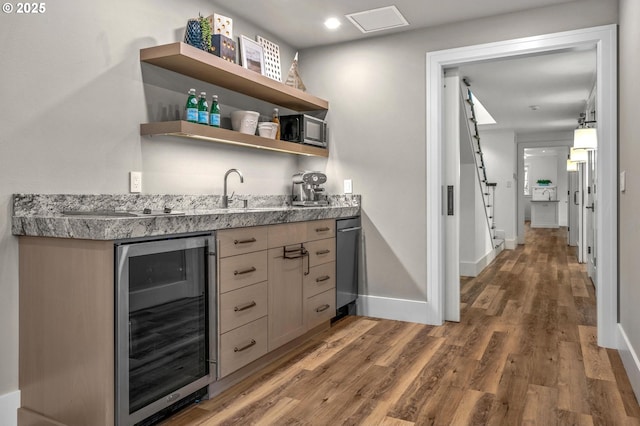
(186, 129)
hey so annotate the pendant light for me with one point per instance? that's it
(572, 166)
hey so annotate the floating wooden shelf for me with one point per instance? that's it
(186, 129)
(193, 62)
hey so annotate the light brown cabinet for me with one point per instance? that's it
(242, 297)
(295, 252)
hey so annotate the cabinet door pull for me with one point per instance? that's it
(323, 229)
(322, 308)
(245, 241)
(322, 278)
(245, 306)
(247, 346)
(245, 271)
(326, 251)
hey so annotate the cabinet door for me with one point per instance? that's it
(286, 315)
(320, 308)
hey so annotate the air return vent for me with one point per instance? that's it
(384, 18)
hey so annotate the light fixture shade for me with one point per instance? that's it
(579, 155)
(572, 166)
(585, 138)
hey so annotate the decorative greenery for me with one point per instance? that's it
(543, 181)
(205, 29)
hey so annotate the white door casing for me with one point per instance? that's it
(604, 38)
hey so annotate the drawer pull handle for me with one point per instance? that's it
(245, 306)
(323, 229)
(326, 251)
(322, 308)
(245, 347)
(245, 271)
(323, 278)
(246, 241)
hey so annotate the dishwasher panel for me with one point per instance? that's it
(347, 254)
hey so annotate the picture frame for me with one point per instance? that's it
(251, 55)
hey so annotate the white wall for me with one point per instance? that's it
(629, 156)
(499, 149)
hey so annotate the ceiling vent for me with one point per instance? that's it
(384, 18)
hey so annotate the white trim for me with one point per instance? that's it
(604, 38)
(9, 404)
(395, 309)
(510, 243)
(473, 269)
(630, 360)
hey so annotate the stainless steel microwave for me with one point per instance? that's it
(303, 128)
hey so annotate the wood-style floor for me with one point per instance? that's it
(525, 352)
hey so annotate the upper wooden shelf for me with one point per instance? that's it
(193, 62)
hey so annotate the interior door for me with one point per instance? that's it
(451, 197)
(573, 210)
(590, 213)
(582, 243)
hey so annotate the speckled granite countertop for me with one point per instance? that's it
(42, 214)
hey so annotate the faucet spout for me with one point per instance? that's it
(225, 198)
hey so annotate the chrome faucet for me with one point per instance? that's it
(225, 198)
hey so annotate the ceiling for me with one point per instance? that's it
(301, 23)
(558, 83)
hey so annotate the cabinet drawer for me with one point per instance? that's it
(243, 345)
(321, 251)
(320, 308)
(320, 229)
(286, 234)
(232, 242)
(242, 306)
(243, 270)
(320, 279)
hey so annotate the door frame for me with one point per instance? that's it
(604, 38)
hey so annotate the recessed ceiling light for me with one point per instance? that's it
(534, 107)
(332, 23)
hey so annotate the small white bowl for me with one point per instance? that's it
(245, 121)
(267, 129)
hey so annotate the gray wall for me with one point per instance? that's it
(377, 90)
(629, 156)
(78, 63)
(73, 96)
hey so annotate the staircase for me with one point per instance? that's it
(487, 189)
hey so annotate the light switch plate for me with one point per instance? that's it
(623, 181)
(135, 182)
(348, 186)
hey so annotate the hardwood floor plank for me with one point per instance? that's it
(540, 406)
(574, 419)
(596, 360)
(473, 409)
(624, 386)
(572, 383)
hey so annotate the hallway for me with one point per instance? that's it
(524, 353)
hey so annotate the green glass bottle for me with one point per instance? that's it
(191, 110)
(214, 114)
(203, 109)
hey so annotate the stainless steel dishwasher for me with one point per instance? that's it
(347, 270)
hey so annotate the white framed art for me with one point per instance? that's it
(251, 54)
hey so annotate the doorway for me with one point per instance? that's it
(604, 40)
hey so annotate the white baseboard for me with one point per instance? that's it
(510, 244)
(473, 269)
(396, 309)
(9, 404)
(630, 360)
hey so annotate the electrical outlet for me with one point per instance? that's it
(135, 182)
(348, 186)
